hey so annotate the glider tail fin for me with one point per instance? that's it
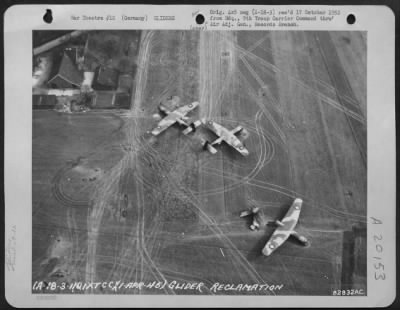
(207, 146)
(192, 127)
(299, 237)
(164, 109)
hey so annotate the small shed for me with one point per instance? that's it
(103, 100)
(40, 102)
(122, 101)
(125, 82)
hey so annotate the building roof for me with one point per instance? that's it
(125, 82)
(68, 71)
(107, 76)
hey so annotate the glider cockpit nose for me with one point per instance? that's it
(298, 201)
(245, 152)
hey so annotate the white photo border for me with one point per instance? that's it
(21, 20)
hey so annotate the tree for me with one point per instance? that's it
(110, 47)
(85, 99)
(125, 65)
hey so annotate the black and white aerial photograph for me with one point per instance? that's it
(187, 162)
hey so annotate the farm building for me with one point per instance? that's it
(66, 75)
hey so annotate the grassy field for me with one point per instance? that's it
(112, 203)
